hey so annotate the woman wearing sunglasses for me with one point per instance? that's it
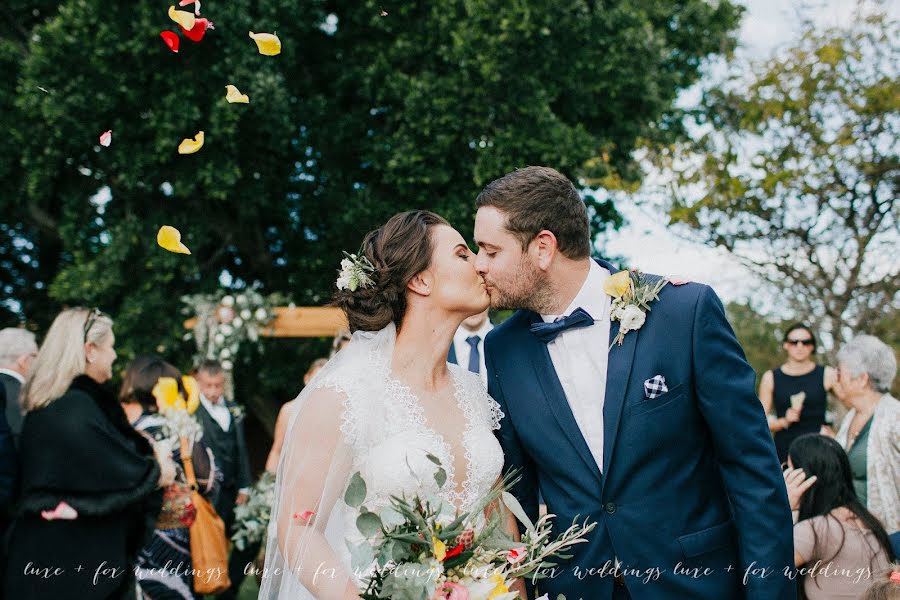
(794, 395)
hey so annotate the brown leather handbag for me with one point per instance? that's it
(209, 546)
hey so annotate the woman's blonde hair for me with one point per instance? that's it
(61, 357)
(886, 585)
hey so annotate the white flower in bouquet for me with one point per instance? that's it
(241, 299)
(261, 314)
(493, 587)
(238, 322)
(246, 314)
(228, 301)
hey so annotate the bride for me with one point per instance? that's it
(382, 405)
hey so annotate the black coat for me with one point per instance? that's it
(81, 449)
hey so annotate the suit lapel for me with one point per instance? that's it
(618, 372)
(555, 397)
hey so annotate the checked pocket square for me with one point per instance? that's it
(655, 387)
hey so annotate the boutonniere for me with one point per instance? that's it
(237, 412)
(632, 292)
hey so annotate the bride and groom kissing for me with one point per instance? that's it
(616, 396)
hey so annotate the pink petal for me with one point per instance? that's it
(516, 555)
(305, 516)
(678, 281)
(62, 512)
(106, 139)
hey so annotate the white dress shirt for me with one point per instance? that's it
(580, 358)
(463, 349)
(218, 411)
(14, 374)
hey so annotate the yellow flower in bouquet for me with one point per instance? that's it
(440, 548)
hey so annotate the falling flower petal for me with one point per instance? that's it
(45, 90)
(170, 239)
(384, 13)
(679, 281)
(106, 139)
(198, 31)
(62, 511)
(182, 17)
(196, 4)
(171, 39)
(189, 146)
(304, 516)
(268, 43)
(234, 95)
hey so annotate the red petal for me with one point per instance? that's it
(185, 2)
(454, 551)
(196, 33)
(171, 39)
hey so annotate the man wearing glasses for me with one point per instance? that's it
(796, 392)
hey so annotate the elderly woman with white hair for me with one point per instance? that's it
(870, 432)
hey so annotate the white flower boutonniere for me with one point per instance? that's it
(237, 412)
(632, 293)
(355, 272)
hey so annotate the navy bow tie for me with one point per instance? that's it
(547, 332)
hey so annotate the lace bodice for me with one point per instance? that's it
(391, 441)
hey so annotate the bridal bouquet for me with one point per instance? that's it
(421, 549)
(251, 519)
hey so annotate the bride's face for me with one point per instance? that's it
(456, 285)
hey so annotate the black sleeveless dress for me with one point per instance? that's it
(812, 417)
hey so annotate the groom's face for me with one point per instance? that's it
(512, 279)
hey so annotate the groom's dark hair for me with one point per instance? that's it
(539, 198)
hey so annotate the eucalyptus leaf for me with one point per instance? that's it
(369, 524)
(516, 509)
(356, 491)
(440, 476)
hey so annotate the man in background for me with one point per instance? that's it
(17, 351)
(224, 435)
(467, 349)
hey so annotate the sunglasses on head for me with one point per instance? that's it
(798, 342)
(89, 322)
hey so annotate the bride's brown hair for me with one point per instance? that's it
(399, 250)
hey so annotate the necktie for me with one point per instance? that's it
(474, 355)
(547, 332)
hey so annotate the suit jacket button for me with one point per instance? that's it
(610, 507)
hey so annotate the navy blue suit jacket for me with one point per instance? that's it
(689, 480)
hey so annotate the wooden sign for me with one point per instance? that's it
(301, 321)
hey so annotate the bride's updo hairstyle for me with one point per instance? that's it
(398, 250)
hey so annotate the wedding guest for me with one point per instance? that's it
(168, 547)
(225, 436)
(886, 585)
(91, 484)
(834, 532)
(17, 352)
(8, 476)
(795, 394)
(284, 418)
(870, 433)
(467, 348)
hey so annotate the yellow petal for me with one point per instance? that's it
(182, 17)
(193, 393)
(234, 95)
(189, 146)
(500, 589)
(268, 43)
(440, 548)
(166, 392)
(170, 239)
(616, 285)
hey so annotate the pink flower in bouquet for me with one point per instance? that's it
(516, 555)
(451, 591)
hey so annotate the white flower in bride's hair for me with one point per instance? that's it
(632, 318)
(354, 273)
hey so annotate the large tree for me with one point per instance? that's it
(362, 115)
(795, 170)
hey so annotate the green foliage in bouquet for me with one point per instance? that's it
(252, 518)
(421, 546)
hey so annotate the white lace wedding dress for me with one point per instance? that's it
(355, 417)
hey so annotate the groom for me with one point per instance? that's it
(660, 439)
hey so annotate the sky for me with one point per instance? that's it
(645, 241)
